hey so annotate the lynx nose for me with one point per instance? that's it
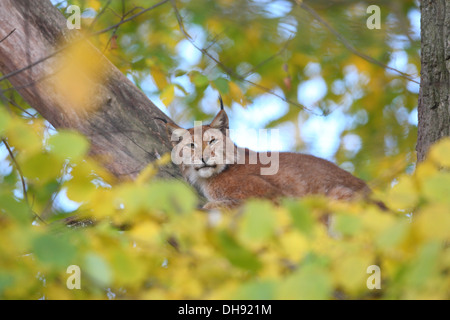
(206, 161)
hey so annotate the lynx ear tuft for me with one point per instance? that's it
(221, 102)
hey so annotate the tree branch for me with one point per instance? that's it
(1, 40)
(227, 69)
(79, 40)
(259, 65)
(347, 44)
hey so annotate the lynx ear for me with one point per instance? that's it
(174, 132)
(221, 120)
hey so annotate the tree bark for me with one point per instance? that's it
(122, 128)
(434, 95)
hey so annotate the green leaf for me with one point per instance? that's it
(17, 210)
(4, 120)
(6, 281)
(54, 251)
(393, 235)
(170, 196)
(127, 270)
(69, 144)
(437, 188)
(199, 79)
(179, 73)
(423, 267)
(97, 269)
(301, 216)
(310, 282)
(42, 167)
(222, 85)
(348, 225)
(256, 290)
(258, 222)
(235, 253)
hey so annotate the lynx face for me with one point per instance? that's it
(203, 151)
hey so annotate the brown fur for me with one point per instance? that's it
(227, 185)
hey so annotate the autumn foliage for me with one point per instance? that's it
(148, 239)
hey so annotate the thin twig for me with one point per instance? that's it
(13, 73)
(122, 18)
(130, 18)
(349, 46)
(214, 40)
(22, 179)
(29, 84)
(91, 26)
(7, 100)
(227, 69)
(11, 155)
(259, 65)
(12, 31)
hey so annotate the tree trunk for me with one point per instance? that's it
(434, 95)
(122, 129)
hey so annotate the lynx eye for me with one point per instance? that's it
(212, 141)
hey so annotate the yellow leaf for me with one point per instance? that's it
(146, 232)
(257, 223)
(159, 77)
(167, 95)
(94, 4)
(102, 203)
(78, 74)
(214, 25)
(56, 291)
(403, 195)
(440, 152)
(437, 187)
(350, 272)
(425, 170)
(375, 223)
(4, 120)
(146, 174)
(271, 267)
(80, 188)
(165, 159)
(433, 222)
(294, 245)
(22, 137)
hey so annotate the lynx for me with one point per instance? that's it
(227, 175)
